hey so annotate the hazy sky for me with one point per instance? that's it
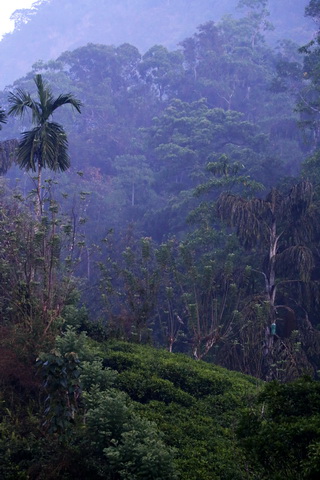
(7, 9)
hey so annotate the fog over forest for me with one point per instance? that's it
(53, 26)
(159, 241)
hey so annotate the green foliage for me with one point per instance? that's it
(280, 228)
(194, 404)
(283, 432)
(129, 289)
(62, 385)
(196, 407)
(214, 118)
(35, 283)
(70, 341)
(46, 144)
(121, 443)
(13, 454)
(92, 425)
(93, 374)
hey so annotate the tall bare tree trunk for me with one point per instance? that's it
(38, 206)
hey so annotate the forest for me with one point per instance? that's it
(51, 27)
(159, 259)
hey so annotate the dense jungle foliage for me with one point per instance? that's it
(169, 202)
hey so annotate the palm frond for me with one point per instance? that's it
(3, 118)
(275, 199)
(29, 150)
(306, 228)
(247, 216)
(46, 145)
(20, 102)
(299, 198)
(296, 262)
(44, 92)
(64, 99)
(55, 148)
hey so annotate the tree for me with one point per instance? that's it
(7, 148)
(2, 117)
(307, 97)
(208, 294)
(129, 289)
(134, 175)
(46, 145)
(313, 10)
(282, 434)
(228, 62)
(308, 103)
(121, 444)
(7, 154)
(36, 268)
(280, 229)
(162, 69)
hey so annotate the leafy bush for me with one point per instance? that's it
(282, 435)
(122, 445)
(194, 404)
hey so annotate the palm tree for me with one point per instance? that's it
(282, 230)
(46, 145)
(7, 147)
(2, 117)
(281, 227)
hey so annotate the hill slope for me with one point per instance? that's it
(142, 411)
(54, 26)
(196, 405)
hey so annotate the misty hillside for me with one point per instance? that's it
(53, 26)
(159, 242)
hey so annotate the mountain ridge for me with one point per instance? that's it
(60, 25)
